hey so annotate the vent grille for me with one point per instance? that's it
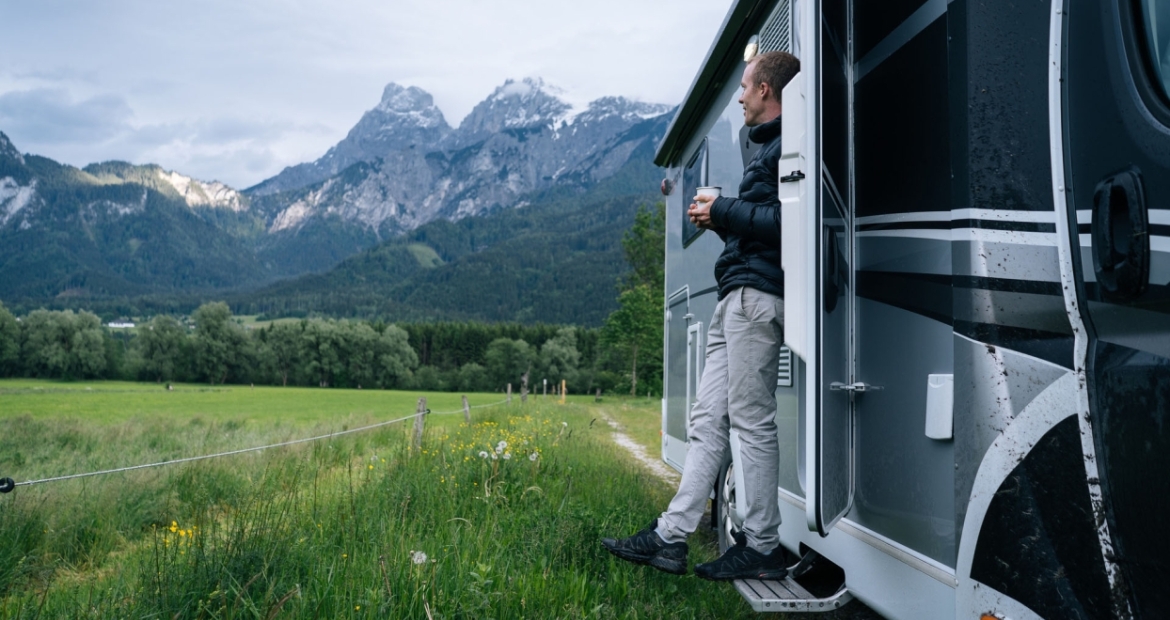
(784, 378)
(776, 36)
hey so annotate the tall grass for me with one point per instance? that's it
(354, 527)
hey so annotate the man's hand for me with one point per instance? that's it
(700, 212)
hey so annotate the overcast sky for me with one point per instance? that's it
(235, 90)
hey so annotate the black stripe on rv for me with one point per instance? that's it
(934, 296)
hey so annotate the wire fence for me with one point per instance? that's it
(8, 484)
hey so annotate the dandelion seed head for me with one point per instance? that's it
(507, 455)
(533, 456)
(418, 557)
(483, 454)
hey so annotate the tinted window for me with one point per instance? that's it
(1156, 19)
(694, 177)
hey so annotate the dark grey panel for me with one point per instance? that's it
(901, 130)
(1007, 106)
(1012, 309)
(932, 256)
(904, 479)
(874, 21)
(992, 385)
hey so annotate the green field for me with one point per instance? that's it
(336, 528)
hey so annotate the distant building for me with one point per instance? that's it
(120, 324)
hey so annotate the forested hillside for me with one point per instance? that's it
(557, 260)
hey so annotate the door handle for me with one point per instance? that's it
(856, 388)
(1121, 235)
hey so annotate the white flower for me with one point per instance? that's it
(483, 454)
(494, 457)
(503, 444)
(418, 557)
(507, 455)
(499, 449)
(532, 457)
(564, 423)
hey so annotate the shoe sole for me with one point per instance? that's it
(674, 567)
(761, 575)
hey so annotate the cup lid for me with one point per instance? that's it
(709, 187)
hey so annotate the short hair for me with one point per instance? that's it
(775, 69)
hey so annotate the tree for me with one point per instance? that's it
(281, 347)
(644, 246)
(635, 326)
(160, 345)
(559, 358)
(473, 378)
(63, 344)
(397, 360)
(321, 348)
(9, 343)
(507, 360)
(219, 342)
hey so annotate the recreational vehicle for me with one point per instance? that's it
(974, 400)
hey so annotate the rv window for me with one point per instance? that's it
(694, 177)
(1156, 18)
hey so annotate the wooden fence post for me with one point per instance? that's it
(509, 393)
(416, 445)
(524, 388)
(597, 396)
(466, 410)
(563, 386)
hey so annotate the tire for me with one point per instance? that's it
(727, 527)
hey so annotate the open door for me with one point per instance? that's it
(815, 196)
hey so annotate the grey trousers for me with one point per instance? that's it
(737, 391)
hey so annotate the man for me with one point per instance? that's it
(738, 387)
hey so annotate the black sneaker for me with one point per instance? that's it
(646, 547)
(743, 562)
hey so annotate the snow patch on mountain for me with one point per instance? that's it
(14, 197)
(115, 209)
(204, 194)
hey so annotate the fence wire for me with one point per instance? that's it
(7, 484)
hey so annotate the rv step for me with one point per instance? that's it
(787, 595)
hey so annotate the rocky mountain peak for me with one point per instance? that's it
(626, 109)
(529, 103)
(8, 150)
(410, 105)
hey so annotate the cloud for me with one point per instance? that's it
(52, 116)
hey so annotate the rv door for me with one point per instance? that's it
(817, 253)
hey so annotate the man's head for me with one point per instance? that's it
(763, 80)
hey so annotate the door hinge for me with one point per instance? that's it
(853, 387)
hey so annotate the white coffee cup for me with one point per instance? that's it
(709, 192)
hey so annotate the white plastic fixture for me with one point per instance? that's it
(940, 406)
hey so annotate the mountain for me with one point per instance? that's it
(116, 229)
(555, 260)
(405, 117)
(520, 139)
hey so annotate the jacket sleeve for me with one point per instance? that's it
(759, 221)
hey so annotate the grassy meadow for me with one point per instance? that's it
(497, 519)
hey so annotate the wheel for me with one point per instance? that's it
(727, 523)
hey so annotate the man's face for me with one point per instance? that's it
(752, 98)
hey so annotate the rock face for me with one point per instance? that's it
(404, 118)
(402, 166)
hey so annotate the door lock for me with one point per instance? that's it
(837, 386)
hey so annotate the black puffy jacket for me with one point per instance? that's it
(750, 224)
